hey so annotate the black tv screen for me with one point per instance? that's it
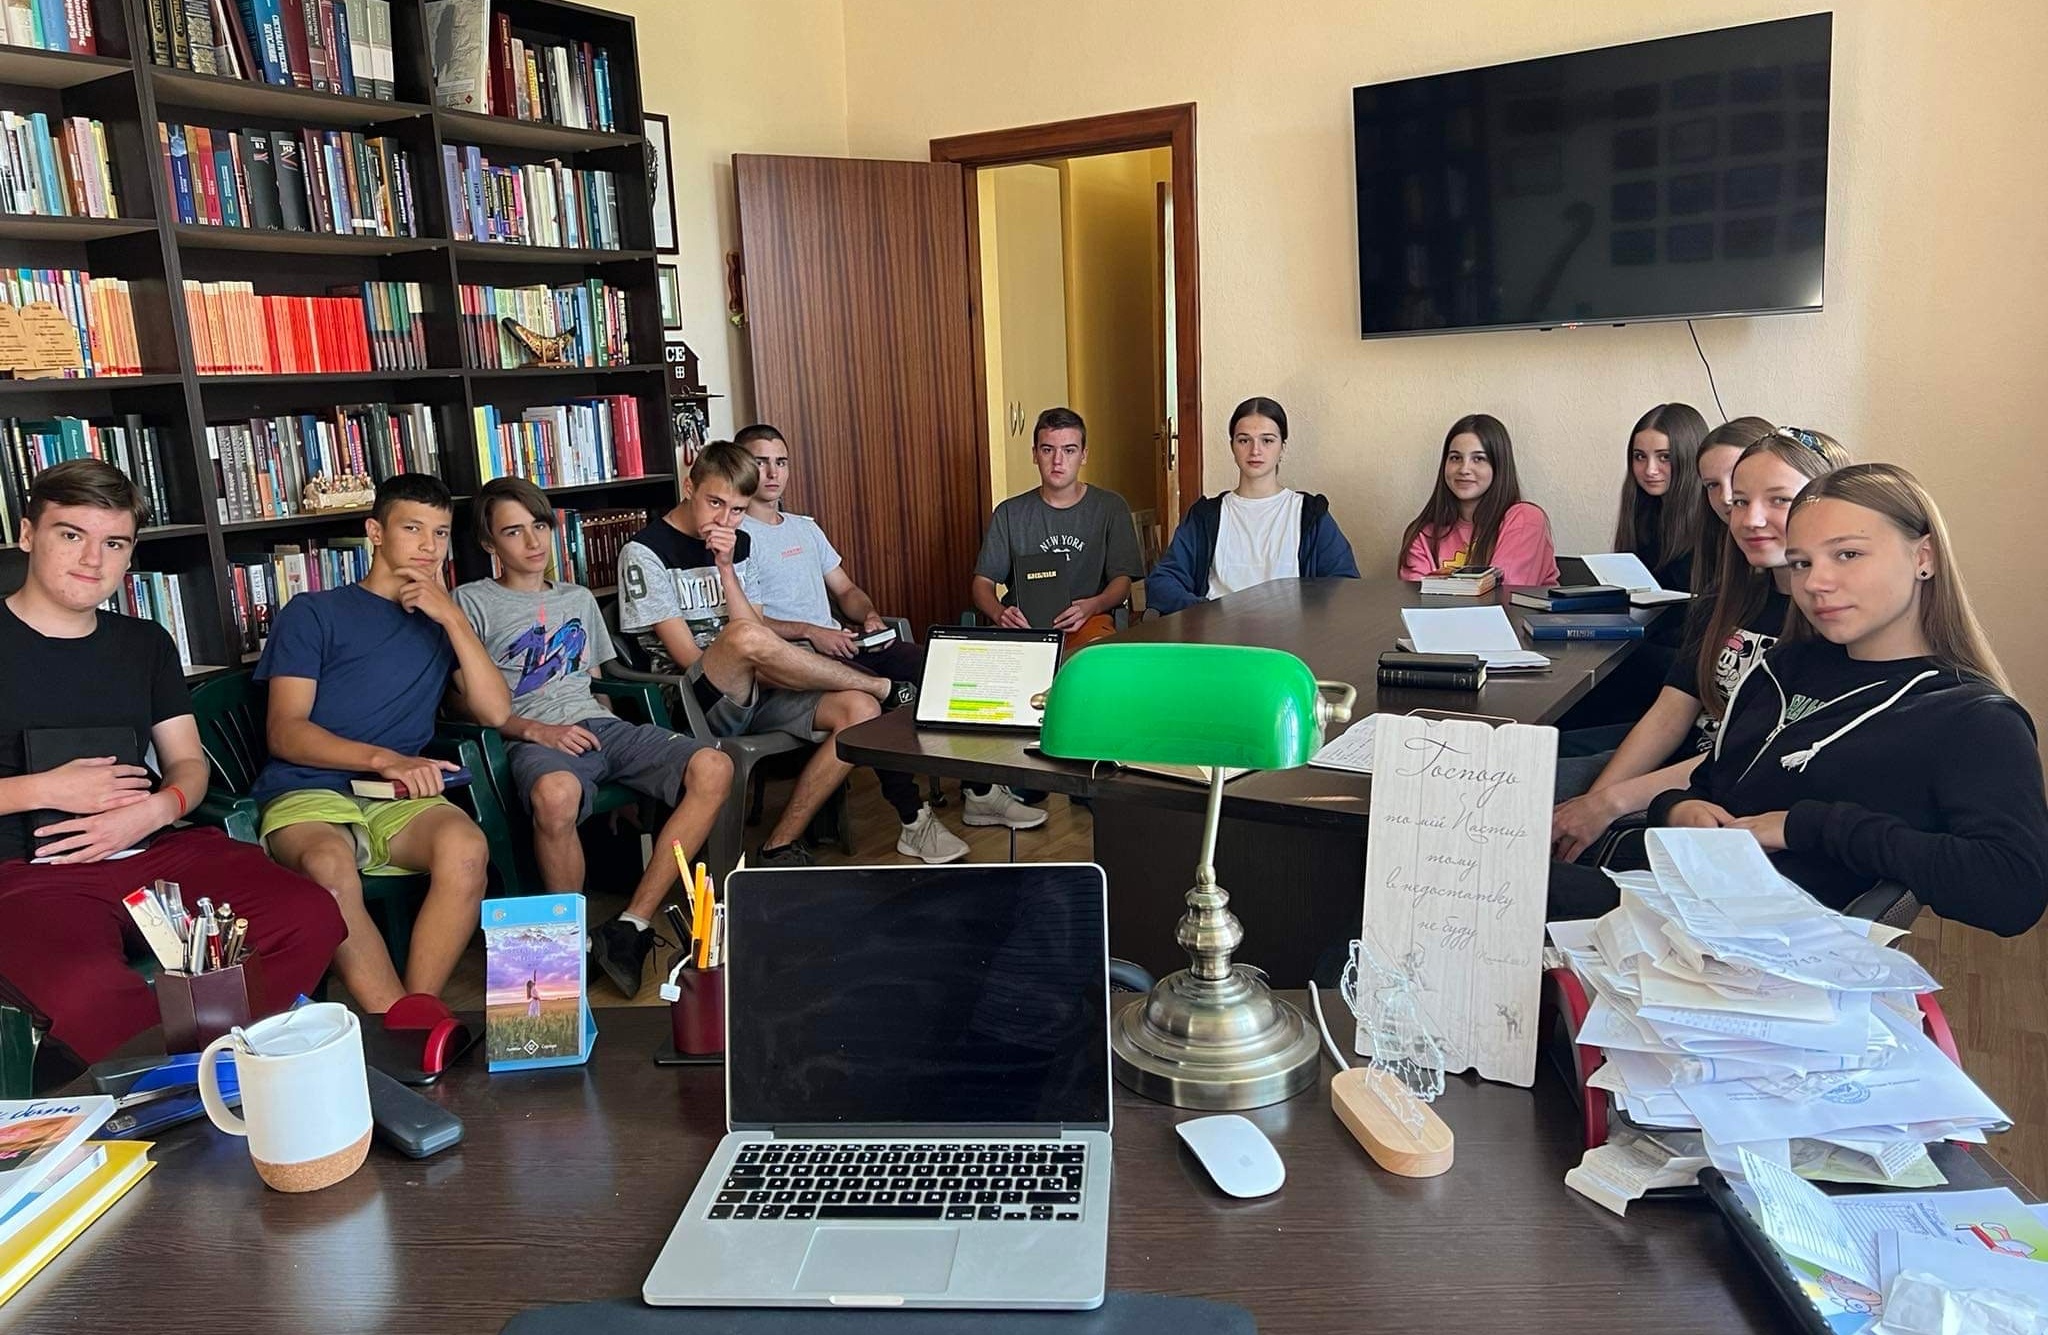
(1680, 177)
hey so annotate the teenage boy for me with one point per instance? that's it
(1087, 527)
(65, 665)
(548, 639)
(682, 595)
(356, 676)
(804, 592)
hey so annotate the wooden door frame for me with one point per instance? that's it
(1170, 127)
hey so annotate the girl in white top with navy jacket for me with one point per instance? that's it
(1876, 742)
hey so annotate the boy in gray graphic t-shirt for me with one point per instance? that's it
(549, 640)
(1088, 529)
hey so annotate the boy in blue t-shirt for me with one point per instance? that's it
(356, 676)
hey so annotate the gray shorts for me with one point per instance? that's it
(645, 758)
(770, 710)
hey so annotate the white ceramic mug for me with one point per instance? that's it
(305, 1095)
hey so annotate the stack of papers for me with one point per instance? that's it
(1625, 570)
(1469, 630)
(1731, 1003)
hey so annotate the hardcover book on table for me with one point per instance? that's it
(536, 996)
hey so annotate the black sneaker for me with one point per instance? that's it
(621, 950)
(797, 854)
(901, 693)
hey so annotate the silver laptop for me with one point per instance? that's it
(917, 1094)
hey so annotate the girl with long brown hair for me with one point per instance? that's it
(1876, 742)
(1476, 516)
(1662, 515)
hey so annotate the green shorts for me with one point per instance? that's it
(373, 822)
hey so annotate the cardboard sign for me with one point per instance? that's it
(14, 349)
(52, 339)
(1457, 869)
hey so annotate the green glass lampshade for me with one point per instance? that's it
(1224, 705)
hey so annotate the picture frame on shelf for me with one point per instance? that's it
(661, 183)
(671, 296)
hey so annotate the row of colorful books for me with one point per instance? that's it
(159, 597)
(263, 466)
(28, 447)
(591, 315)
(55, 1179)
(330, 46)
(530, 204)
(371, 326)
(561, 444)
(50, 25)
(480, 66)
(334, 181)
(588, 542)
(266, 581)
(99, 311)
(65, 175)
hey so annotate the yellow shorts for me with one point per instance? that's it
(373, 822)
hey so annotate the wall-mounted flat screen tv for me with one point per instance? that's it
(1659, 180)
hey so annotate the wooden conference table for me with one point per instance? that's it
(1292, 847)
(568, 1182)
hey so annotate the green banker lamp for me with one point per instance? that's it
(1212, 1035)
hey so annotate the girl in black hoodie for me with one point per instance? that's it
(1876, 741)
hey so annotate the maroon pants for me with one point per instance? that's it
(65, 936)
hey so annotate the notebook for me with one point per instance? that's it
(45, 749)
(1483, 630)
(1626, 570)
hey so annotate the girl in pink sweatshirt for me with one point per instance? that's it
(1476, 515)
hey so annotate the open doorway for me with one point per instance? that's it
(1084, 272)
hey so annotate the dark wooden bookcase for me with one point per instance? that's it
(156, 254)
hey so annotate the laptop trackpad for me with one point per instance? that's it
(879, 1260)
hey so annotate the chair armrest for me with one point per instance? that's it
(694, 722)
(646, 693)
(1887, 902)
(1624, 830)
(237, 817)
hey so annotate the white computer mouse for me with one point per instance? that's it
(1240, 1160)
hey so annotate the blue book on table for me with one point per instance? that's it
(1584, 626)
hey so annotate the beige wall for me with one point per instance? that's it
(1930, 352)
(1112, 285)
(1024, 314)
(734, 76)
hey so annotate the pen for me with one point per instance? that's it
(231, 953)
(718, 937)
(682, 930)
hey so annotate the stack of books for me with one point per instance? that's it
(530, 204)
(333, 181)
(371, 326)
(28, 447)
(98, 310)
(588, 542)
(61, 175)
(1431, 672)
(1572, 598)
(49, 25)
(262, 466)
(1469, 582)
(155, 596)
(266, 581)
(329, 46)
(54, 1182)
(562, 444)
(592, 313)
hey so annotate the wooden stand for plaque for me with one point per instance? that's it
(1355, 1096)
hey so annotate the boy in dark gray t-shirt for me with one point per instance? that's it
(549, 639)
(1086, 530)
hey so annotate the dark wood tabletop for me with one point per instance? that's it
(568, 1182)
(1339, 627)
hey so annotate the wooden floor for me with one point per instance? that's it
(1995, 991)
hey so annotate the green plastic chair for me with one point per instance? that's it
(230, 711)
(642, 703)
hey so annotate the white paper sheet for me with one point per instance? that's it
(1483, 630)
(1803, 1222)
(1962, 1266)
(1350, 750)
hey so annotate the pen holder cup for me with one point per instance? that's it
(197, 1008)
(698, 1016)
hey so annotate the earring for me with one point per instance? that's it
(1927, 574)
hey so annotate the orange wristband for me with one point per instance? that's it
(183, 802)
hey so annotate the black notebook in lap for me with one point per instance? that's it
(1120, 1314)
(1038, 587)
(45, 749)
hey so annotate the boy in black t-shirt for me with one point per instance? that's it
(66, 665)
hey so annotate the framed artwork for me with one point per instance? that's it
(661, 183)
(671, 296)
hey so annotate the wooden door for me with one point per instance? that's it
(858, 324)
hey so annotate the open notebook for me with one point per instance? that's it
(1625, 570)
(1483, 630)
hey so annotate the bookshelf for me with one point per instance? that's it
(157, 254)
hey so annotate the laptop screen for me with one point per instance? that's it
(964, 995)
(983, 678)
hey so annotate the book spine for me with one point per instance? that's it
(1419, 680)
(1585, 633)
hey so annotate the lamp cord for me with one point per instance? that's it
(1710, 369)
(1315, 1002)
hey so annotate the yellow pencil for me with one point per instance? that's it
(689, 885)
(701, 928)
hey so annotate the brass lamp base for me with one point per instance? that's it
(1223, 1044)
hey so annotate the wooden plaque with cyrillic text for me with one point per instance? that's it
(1457, 868)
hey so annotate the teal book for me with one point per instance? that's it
(536, 994)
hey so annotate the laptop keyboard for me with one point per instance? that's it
(1032, 1180)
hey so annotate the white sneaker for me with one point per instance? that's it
(926, 839)
(997, 807)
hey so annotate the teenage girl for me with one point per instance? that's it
(1877, 741)
(1476, 515)
(1747, 612)
(1256, 533)
(1661, 517)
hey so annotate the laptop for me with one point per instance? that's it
(981, 677)
(917, 1094)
